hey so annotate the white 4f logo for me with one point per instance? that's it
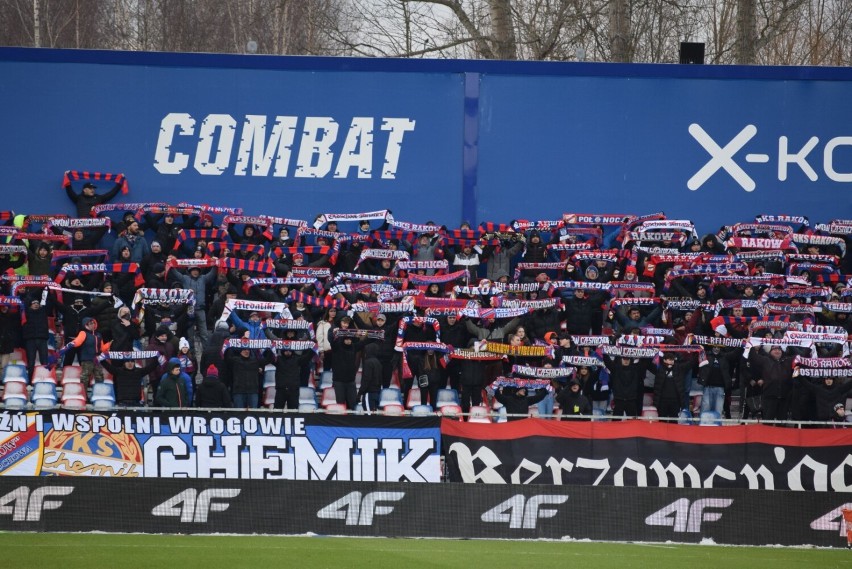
(26, 506)
(686, 518)
(358, 510)
(521, 513)
(194, 506)
(722, 158)
(833, 520)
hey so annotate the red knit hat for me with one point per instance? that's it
(212, 371)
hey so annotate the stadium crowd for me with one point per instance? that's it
(189, 304)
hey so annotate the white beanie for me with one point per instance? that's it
(183, 343)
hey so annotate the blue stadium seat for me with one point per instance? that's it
(422, 411)
(44, 395)
(447, 397)
(15, 373)
(74, 396)
(103, 396)
(478, 414)
(307, 395)
(269, 376)
(390, 396)
(710, 419)
(15, 395)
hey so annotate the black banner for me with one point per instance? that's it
(643, 454)
(743, 517)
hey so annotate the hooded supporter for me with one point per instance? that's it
(827, 394)
(572, 402)
(212, 392)
(172, 390)
(161, 341)
(128, 380)
(518, 401)
(39, 258)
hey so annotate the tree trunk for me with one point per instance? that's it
(36, 24)
(505, 46)
(619, 30)
(746, 32)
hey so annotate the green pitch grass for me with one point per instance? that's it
(94, 551)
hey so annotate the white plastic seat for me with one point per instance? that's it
(103, 405)
(336, 409)
(328, 397)
(269, 376)
(325, 380)
(393, 409)
(307, 407)
(269, 397)
(103, 396)
(446, 397)
(422, 411)
(450, 411)
(74, 396)
(479, 414)
(15, 395)
(709, 419)
(43, 389)
(390, 396)
(18, 356)
(413, 397)
(650, 412)
(42, 374)
(501, 415)
(307, 395)
(71, 374)
(15, 374)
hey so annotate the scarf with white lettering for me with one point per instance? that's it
(629, 352)
(214, 209)
(383, 307)
(544, 372)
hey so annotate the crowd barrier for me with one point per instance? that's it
(196, 506)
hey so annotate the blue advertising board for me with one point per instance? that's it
(290, 143)
(711, 150)
(430, 140)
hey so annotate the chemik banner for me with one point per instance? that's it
(237, 445)
(642, 454)
(212, 506)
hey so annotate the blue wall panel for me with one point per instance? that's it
(110, 117)
(477, 139)
(605, 144)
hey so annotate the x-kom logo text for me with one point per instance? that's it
(722, 158)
